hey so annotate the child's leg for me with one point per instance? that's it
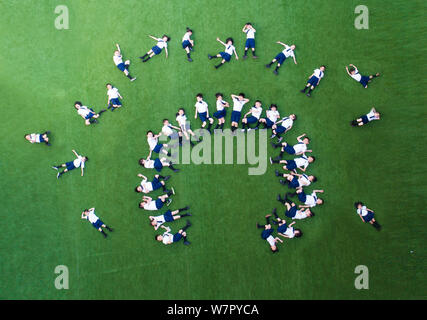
(221, 64)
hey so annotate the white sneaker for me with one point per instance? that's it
(127, 62)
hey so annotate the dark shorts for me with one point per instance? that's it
(41, 138)
(158, 165)
(291, 164)
(280, 58)
(365, 119)
(368, 217)
(115, 102)
(289, 149)
(97, 224)
(177, 236)
(203, 116)
(90, 115)
(280, 129)
(364, 81)
(266, 233)
(291, 212)
(225, 56)
(250, 43)
(156, 183)
(313, 81)
(168, 216)
(121, 66)
(159, 204)
(158, 148)
(252, 119)
(156, 50)
(294, 183)
(302, 197)
(186, 44)
(268, 122)
(220, 114)
(70, 165)
(235, 116)
(282, 228)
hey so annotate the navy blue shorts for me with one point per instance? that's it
(41, 138)
(115, 102)
(294, 183)
(291, 164)
(159, 204)
(250, 43)
(186, 44)
(266, 233)
(168, 216)
(365, 119)
(156, 50)
(313, 81)
(364, 81)
(282, 228)
(70, 165)
(280, 129)
(158, 148)
(368, 217)
(121, 66)
(177, 236)
(302, 197)
(252, 119)
(235, 116)
(225, 56)
(220, 114)
(203, 116)
(156, 183)
(90, 115)
(280, 58)
(268, 122)
(289, 149)
(158, 165)
(291, 212)
(97, 224)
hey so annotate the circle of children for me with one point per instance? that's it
(272, 120)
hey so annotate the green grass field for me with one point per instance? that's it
(44, 70)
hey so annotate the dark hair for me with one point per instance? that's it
(354, 123)
(356, 204)
(189, 30)
(108, 84)
(295, 116)
(273, 105)
(199, 95)
(248, 23)
(274, 251)
(323, 201)
(219, 94)
(312, 213)
(351, 69)
(155, 237)
(164, 120)
(25, 135)
(136, 189)
(258, 101)
(242, 94)
(78, 102)
(168, 38)
(314, 179)
(323, 66)
(181, 109)
(314, 159)
(229, 39)
(299, 233)
(149, 131)
(87, 158)
(141, 205)
(140, 161)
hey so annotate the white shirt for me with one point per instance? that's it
(310, 200)
(303, 181)
(290, 232)
(371, 115)
(146, 186)
(150, 206)
(92, 217)
(229, 49)
(288, 52)
(35, 137)
(201, 106)
(300, 147)
(149, 164)
(186, 37)
(256, 111)
(287, 122)
(271, 240)
(250, 33)
(220, 105)
(152, 142)
(159, 220)
(318, 74)
(167, 238)
(363, 211)
(162, 44)
(83, 111)
(117, 59)
(301, 162)
(79, 162)
(356, 76)
(182, 120)
(273, 115)
(167, 130)
(113, 93)
(238, 105)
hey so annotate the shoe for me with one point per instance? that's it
(48, 144)
(302, 91)
(55, 168)
(190, 60)
(282, 182)
(175, 170)
(186, 208)
(272, 136)
(47, 132)
(249, 129)
(243, 130)
(127, 62)
(103, 110)
(278, 158)
(268, 65)
(258, 226)
(254, 57)
(189, 214)
(209, 56)
(277, 173)
(244, 57)
(187, 243)
(271, 161)
(275, 146)
(173, 190)
(275, 72)
(279, 198)
(274, 210)
(166, 178)
(256, 128)
(188, 223)
(58, 175)
(168, 202)
(280, 139)
(133, 79)
(308, 95)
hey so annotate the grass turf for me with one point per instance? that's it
(45, 70)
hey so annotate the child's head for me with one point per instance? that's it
(273, 107)
(153, 222)
(297, 233)
(77, 104)
(165, 122)
(199, 97)
(138, 189)
(165, 38)
(117, 53)
(181, 111)
(274, 249)
(142, 161)
(312, 178)
(141, 204)
(248, 24)
(320, 201)
(27, 136)
(258, 103)
(358, 205)
(293, 116)
(84, 159)
(219, 96)
(311, 159)
(322, 68)
(159, 237)
(189, 30)
(109, 86)
(241, 96)
(293, 47)
(229, 41)
(306, 140)
(149, 133)
(352, 70)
